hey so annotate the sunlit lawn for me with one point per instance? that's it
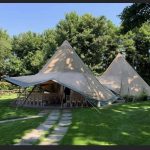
(9, 112)
(126, 124)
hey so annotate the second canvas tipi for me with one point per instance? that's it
(123, 79)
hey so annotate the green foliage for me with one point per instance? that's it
(141, 97)
(90, 36)
(134, 16)
(5, 50)
(129, 98)
(7, 86)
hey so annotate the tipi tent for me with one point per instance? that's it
(66, 68)
(123, 79)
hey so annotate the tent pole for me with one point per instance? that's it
(19, 95)
(61, 95)
(28, 96)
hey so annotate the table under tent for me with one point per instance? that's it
(63, 69)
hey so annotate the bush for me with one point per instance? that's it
(129, 98)
(7, 86)
(142, 97)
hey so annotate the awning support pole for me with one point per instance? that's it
(28, 96)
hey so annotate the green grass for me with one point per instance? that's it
(9, 112)
(125, 124)
(11, 133)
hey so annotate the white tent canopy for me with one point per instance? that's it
(123, 79)
(66, 68)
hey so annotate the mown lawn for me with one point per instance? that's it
(125, 124)
(9, 112)
(11, 133)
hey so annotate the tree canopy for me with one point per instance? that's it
(134, 16)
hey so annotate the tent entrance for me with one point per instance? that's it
(51, 94)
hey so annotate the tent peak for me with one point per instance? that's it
(120, 55)
(66, 44)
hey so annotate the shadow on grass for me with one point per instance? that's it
(10, 112)
(126, 124)
(10, 133)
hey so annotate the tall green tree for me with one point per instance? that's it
(134, 16)
(5, 50)
(142, 43)
(49, 43)
(33, 49)
(90, 36)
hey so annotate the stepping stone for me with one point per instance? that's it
(66, 111)
(55, 137)
(44, 127)
(66, 118)
(60, 130)
(52, 139)
(50, 122)
(53, 118)
(65, 123)
(66, 115)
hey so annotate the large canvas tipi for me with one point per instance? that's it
(66, 68)
(123, 79)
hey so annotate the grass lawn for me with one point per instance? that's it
(9, 112)
(11, 132)
(125, 124)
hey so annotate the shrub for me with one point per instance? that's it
(142, 97)
(129, 98)
(7, 86)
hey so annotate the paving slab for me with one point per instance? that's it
(65, 123)
(50, 122)
(66, 115)
(60, 130)
(53, 118)
(66, 118)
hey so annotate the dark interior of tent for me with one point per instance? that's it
(51, 94)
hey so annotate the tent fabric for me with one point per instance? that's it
(66, 68)
(123, 79)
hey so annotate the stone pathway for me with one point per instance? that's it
(33, 136)
(60, 130)
(57, 122)
(41, 114)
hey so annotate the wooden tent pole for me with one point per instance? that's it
(28, 96)
(19, 95)
(61, 95)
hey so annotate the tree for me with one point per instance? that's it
(5, 50)
(142, 44)
(33, 49)
(134, 16)
(90, 37)
(49, 43)
(24, 47)
(26, 42)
